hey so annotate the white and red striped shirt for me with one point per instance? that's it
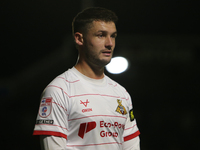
(88, 113)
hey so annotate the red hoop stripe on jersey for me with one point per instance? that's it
(39, 132)
(59, 88)
(125, 98)
(130, 127)
(68, 81)
(94, 144)
(129, 137)
(95, 94)
(112, 84)
(97, 116)
(84, 94)
(52, 125)
(59, 105)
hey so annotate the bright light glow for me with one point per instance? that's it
(117, 65)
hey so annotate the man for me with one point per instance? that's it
(83, 109)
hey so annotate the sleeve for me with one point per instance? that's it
(133, 144)
(52, 142)
(53, 113)
(131, 131)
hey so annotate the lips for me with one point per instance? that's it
(107, 52)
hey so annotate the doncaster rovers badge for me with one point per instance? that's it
(120, 108)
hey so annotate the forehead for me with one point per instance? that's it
(103, 26)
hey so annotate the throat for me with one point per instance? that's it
(90, 71)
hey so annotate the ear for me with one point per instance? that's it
(78, 38)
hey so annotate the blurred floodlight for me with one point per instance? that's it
(117, 65)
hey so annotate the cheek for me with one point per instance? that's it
(97, 44)
(113, 41)
(93, 42)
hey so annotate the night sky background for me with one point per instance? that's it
(160, 38)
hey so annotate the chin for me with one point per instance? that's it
(102, 63)
(105, 62)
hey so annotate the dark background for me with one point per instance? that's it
(160, 38)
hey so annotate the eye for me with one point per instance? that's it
(100, 35)
(114, 36)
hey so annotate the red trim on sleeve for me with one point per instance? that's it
(50, 133)
(129, 137)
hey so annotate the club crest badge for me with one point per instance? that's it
(45, 107)
(120, 108)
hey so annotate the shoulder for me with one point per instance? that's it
(65, 78)
(119, 88)
(62, 82)
(115, 84)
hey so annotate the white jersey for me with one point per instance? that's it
(90, 114)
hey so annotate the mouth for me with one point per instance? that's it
(107, 52)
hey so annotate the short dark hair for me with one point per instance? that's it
(84, 18)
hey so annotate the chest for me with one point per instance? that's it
(97, 103)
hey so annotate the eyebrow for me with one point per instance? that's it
(107, 31)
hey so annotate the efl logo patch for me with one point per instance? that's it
(45, 107)
(120, 108)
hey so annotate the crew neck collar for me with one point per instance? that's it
(100, 82)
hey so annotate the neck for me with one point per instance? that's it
(90, 71)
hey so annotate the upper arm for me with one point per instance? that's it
(53, 113)
(131, 131)
(52, 143)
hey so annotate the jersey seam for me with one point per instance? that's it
(68, 81)
(60, 106)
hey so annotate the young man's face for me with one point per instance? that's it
(99, 43)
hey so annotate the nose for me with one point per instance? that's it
(109, 42)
